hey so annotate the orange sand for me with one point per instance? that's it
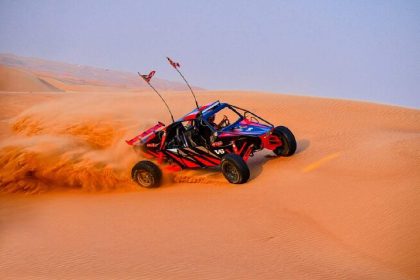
(346, 206)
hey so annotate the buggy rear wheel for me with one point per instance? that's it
(234, 169)
(288, 147)
(146, 174)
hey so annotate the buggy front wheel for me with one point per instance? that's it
(288, 140)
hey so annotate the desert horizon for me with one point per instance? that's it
(209, 140)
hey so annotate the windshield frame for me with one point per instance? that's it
(218, 109)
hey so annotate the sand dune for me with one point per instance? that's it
(74, 77)
(12, 79)
(346, 206)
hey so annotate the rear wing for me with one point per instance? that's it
(145, 136)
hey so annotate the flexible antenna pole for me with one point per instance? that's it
(176, 66)
(148, 82)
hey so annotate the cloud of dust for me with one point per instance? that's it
(75, 142)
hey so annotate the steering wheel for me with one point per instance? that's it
(254, 119)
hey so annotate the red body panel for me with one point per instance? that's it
(270, 141)
(146, 135)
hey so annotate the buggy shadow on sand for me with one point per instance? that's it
(217, 134)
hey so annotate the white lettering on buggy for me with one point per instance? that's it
(219, 151)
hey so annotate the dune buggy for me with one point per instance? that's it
(217, 134)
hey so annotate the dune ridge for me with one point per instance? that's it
(12, 79)
(72, 77)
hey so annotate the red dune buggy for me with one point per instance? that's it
(217, 134)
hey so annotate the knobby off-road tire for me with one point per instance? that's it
(234, 169)
(146, 174)
(289, 142)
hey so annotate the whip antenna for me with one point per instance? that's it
(176, 65)
(147, 79)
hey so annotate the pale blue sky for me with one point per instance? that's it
(367, 50)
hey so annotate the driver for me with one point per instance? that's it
(211, 121)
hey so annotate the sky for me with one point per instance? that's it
(363, 50)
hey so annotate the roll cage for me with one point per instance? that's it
(216, 107)
(194, 129)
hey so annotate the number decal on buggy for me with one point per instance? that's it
(219, 151)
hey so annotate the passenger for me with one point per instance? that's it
(211, 120)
